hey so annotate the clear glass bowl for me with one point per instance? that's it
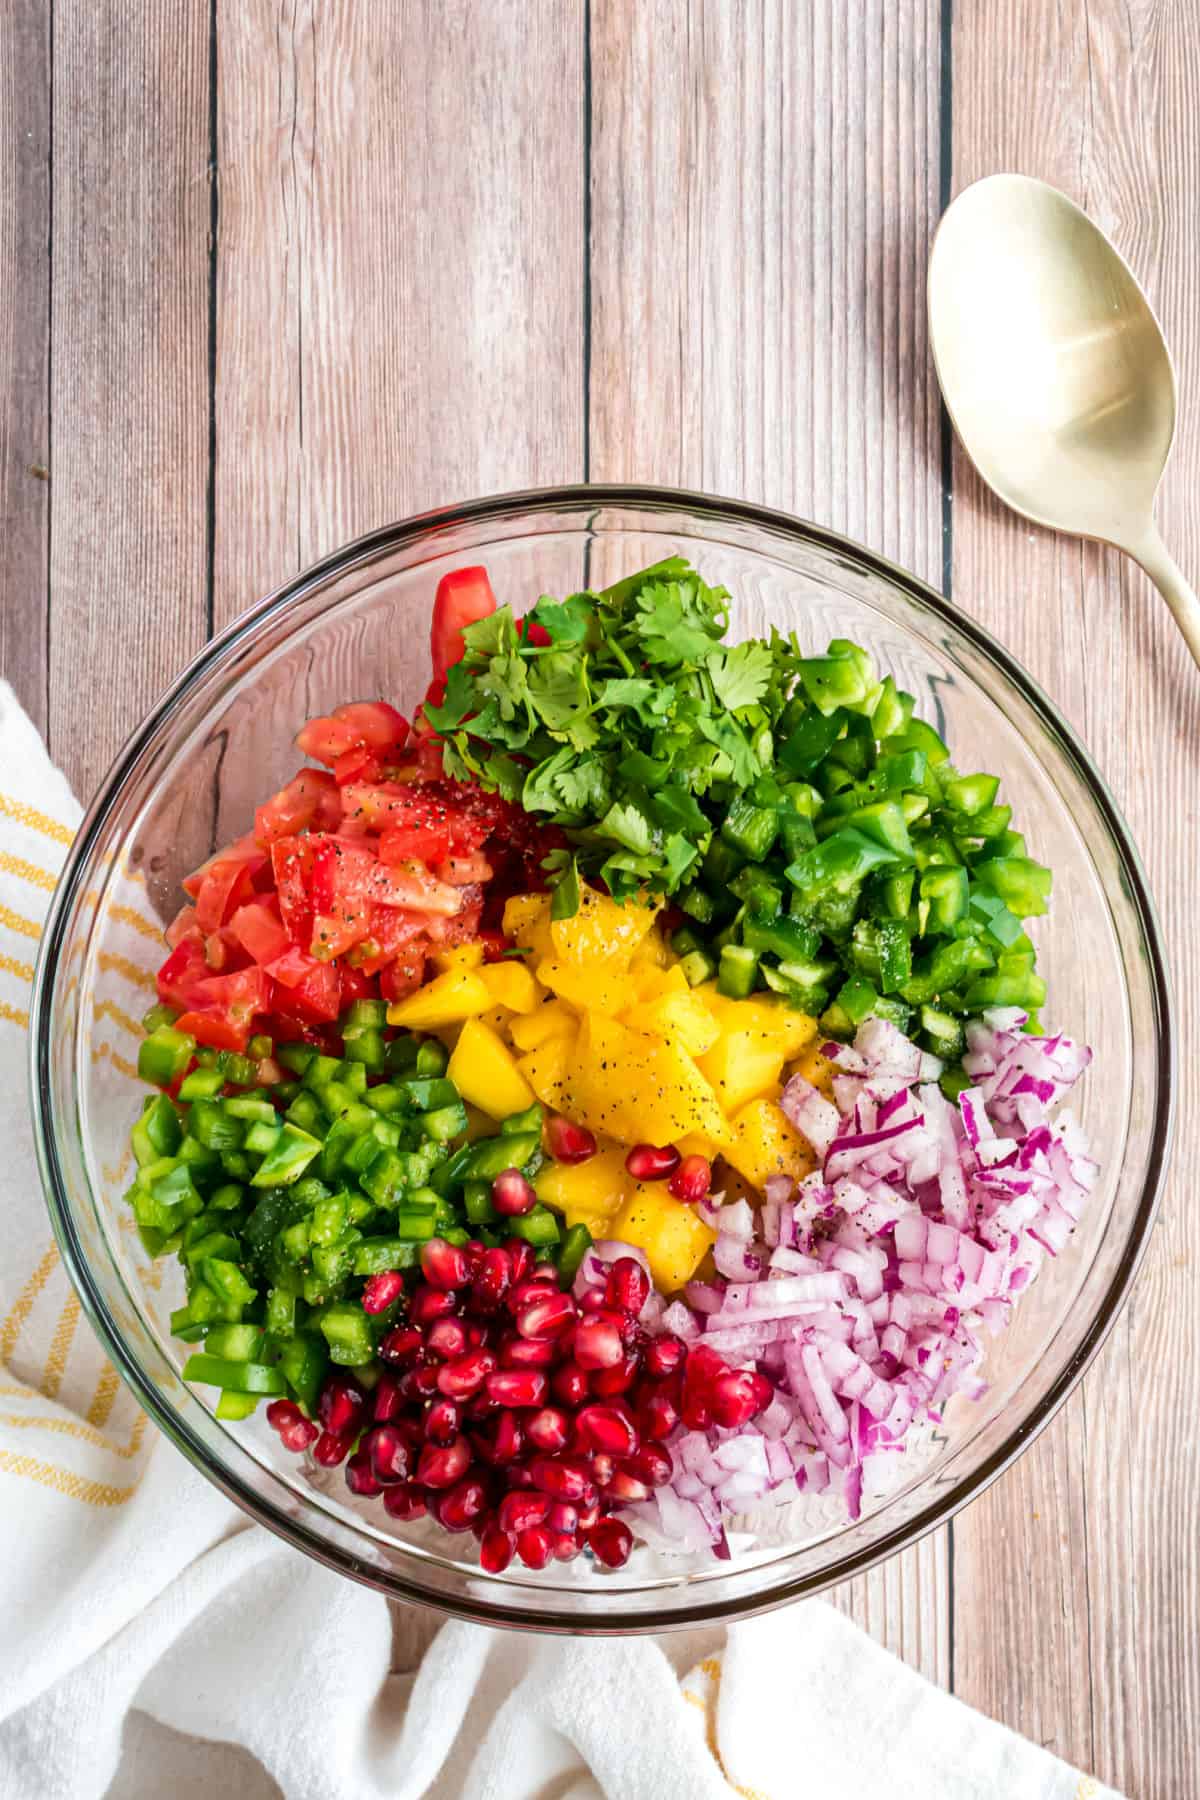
(357, 625)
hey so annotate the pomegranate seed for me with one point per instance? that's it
(628, 1286)
(300, 1436)
(405, 1501)
(381, 1290)
(477, 1334)
(329, 1449)
(526, 1353)
(460, 1379)
(282, 1413)
(473, 1249)
(360, 1477)
(499, 1442)
(535, 1546)
(442, 1421)
(341, 1406)
(602, 1467)
(692, 1180)
(390, 1454)
(564, 1480)
(441, 1465)
(517, 1512)
(428, 1304)
(444, 1265)
(531, 1288)
(610, 1542)
(521, 1259)
(495, 1550)
(649, 1162)
(604, 1428)
(566, 1546)
(588, 1516)
(517, 1387)
(517, 1476)
(737, 1396)
(622, 1487)
(664, 1355)
(567, 1142)
(546, 1318)
(401, 1345)
(512, 1195)
(605, 1383)
(446, 1337)
(563, 1517)
(592, 1300)
(548, 1429)
(695, 1412)
(464, 1503)
(491, 1280)
(570, 1383)
(423, 1381)
(652, 1465)
(386, 1399)
(597, 1344)
(658, 1418)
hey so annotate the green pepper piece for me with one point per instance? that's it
(237, 1377)
(429, 1095)
(538, 1227)
(750, 829)
(280, 1315)
(944, 895)
(287, 1159)
(857, 999)
(158, 1131)
(491, 1156)
(362, 1015)
(164, 1055)
(344, 1328)
(477, 1202)
(385, 1097)
(971, 794)
(1023, 885)
(883, 822)
(240, 1343)
(575, 1246)
(942, 1033)
(432, 1059)
(201, 1084)
(374, 1256)
(738, 971)
(302, 1363)
(698, 904)
(843, 677)
(226, 1281)
(368, 1050)
(698, 967)
(840, 863)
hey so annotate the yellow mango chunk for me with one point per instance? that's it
(511, 984)
(676, 1015)
(765, 1142)
(459, 956)
(588, 1191)
(546, 1070)
(552, 1019)
(602, 929)
(795, 1030)
(674, 1237)
(637, 1088)
(816, 1068)
(498, 1017)
(742, 1065)
(597, 985)
(652, 952)
(485, 1072)
(448, 999)
(527, 923)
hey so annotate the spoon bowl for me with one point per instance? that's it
(1055, 370)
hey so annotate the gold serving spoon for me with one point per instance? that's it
(1055, 371)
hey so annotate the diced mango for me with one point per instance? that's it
(637, 1088)
(499, 1018)
(588, 1191)
(765, 1143)
(795, 1030)
(742, 1065)
(676, 1015)
(485, 1072)
(586, 986)
(601, 930)
(671, 1232)
(459, 956)
(552, 1019)
(816, 1068)
(511, 984)
(448, 999)
(546, 1070)
(652, 951)
(527, 923)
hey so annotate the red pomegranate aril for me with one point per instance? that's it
(597, 1344)
(444, 1265)
(460, 1379)
(588, 1516)
(515, 1352)
(696, 1413)
(517, 1476)
(692, 1180)
(736, 1397)
(602, 1465)
(465, 1502)
(499, 1442)
(529, 1289)
(517, 1512)
(390, 1454)
(592, 1300)
(477, 1333)
(652, 1465)
(605, 1383)
(381, 1290)
(604, 1428)
(548, 1429)
(547, 1318)
(566, 1546)
(652, 1162)
(300, 1436)
(521, 1260)
(441, 1465)
(361, 1478)
(446, 1337)
(622, 1488)
(386, 1399)
(628, 1286)
(330, 1450)
(560, 1478)
(658, 1418)
(491, 1280)
(405, 1501)
(341, 1406)
(517, 1387)
(424, 1381)
(664, 1355)
(495, 1550)
(570, 1383)
(535, 1546)
(442, 1421)
(563, 1516)
(403, 1344)
(568, 1142)
(512, 1195)
(282, 1413)
(428, 1304)
(610, 1542)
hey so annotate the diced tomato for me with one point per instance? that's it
(181, 973)
(353, 734)
(533, 633)
(390, 929)
(240, 995)
(338, 930)
(426, 843)
(357, 984)
(495, 945)
(313, 988)
(243, 849)
(404, 975)
(223, 952)
(464, 871)
(347, 870)
(380, 726)
(260, 930)
(227, 886)
(182, 925)
(463, 596)
(291, 861)
(309, 802)
(359, 764)
(464, 925)
(214, 1029)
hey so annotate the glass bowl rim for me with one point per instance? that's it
(479, 512)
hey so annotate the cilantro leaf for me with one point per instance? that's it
(740, 675)
(457, 702)
(565, 622)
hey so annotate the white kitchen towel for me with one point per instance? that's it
(128, 1585)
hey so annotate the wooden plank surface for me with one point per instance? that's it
(1093, 1649)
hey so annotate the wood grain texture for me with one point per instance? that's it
(1093, 1650)
(25, 349)
(129, 391)
(764, 183)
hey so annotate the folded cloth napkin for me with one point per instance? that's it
(129, 1588)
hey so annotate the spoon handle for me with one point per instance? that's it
(1174, 587)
